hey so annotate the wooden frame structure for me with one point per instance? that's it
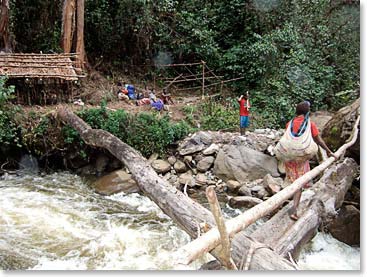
(206, 76)
(40, 78)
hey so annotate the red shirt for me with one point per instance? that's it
(243, 107)
(297, 123)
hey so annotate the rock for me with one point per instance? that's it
(212, 149)
(233, 186)
(243, 202)
(259, 192)
(186, 178)
(205, 164)
(244, 190)
(346, 226)
(115, 182)
(201, 179)
(180, 166)
(187, 159)
(172, 160)
(198, 157)
(270, 150)
(161, 166)
(281, 167)
(196, 143)
(272, 185)
(243, 164)
(167, 176)
(153, 157)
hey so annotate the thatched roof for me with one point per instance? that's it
(17, 65)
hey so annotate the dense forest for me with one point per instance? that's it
(283, 51)
(286, 50)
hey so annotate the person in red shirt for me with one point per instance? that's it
(244, 113)
(295, 169)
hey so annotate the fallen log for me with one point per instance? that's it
(211, 239)
(319, 203)
(187, 213)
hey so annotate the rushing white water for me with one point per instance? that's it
(56, 222)
(326, 253)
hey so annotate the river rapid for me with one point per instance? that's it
(57, 222)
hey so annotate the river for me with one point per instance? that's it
(57, 222)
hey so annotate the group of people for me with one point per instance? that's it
(296, 168)
(148, 97)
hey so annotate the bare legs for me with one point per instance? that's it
(243, 131)
(296, 199)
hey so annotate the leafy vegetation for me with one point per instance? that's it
(148, 133)
(285, 50)
(8, 128)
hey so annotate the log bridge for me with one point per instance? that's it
(274, 245)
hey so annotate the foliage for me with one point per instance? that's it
(285, 50)
(8, 128)
(148, 133)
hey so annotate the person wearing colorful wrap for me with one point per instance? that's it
(295, 169)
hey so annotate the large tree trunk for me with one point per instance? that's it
(319, 202)
(68, 19)
(4, 24)
(80, 50)
(187, 213)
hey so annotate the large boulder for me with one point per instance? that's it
(238, 162)
(346, 226)
(115, 182)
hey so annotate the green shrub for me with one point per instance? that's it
(8, 128)
(146, 132)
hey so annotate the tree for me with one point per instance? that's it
(4, 24)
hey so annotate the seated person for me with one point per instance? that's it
(157, 104)
(151, 94)
(122, 92)
(142, 102)
(130, 91)
(166, 97)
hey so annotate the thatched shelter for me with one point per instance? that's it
(41, 78)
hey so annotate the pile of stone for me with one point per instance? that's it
(242, 166)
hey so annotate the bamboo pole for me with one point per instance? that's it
(179, 64)
(222, 82)
(187, 80)
(225, 252)
(203, 82)
(211, 239)
(173, 81)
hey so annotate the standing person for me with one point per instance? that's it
(296, 168)
(244, 112)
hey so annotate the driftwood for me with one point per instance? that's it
(211, 239)
(225, 252)
(187, 213)
(317, 204)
